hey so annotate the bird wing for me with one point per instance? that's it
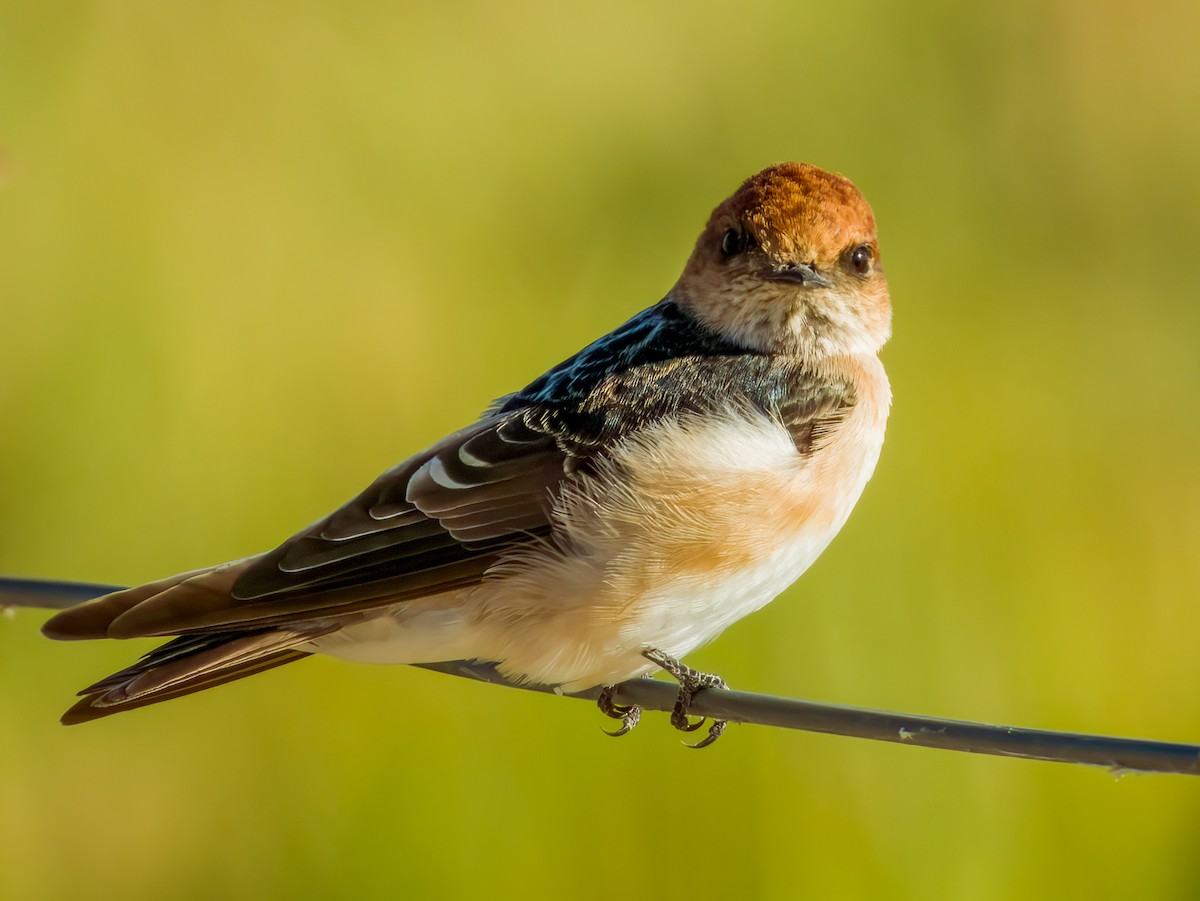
(434, 523)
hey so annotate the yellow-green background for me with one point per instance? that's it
(252, 254)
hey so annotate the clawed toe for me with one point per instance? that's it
(629, 715)
(715, 731)
(681, 722)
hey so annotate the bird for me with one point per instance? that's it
(598, 525)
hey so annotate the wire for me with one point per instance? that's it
(1117, 754)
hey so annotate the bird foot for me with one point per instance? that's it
(691, 682)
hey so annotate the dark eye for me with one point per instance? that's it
(732, 242)
(860, 259)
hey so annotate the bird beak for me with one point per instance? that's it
(799, 274)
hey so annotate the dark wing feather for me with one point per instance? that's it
(434, 523)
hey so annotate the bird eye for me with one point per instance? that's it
(731, 242)
(860, 259)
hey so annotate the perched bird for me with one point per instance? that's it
(617, 513)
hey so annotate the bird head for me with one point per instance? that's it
(790, 264)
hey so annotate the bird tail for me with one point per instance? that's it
(191, 662)
(188, 664)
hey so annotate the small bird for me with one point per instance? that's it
(617, 513)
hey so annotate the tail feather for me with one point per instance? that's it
(189, 664)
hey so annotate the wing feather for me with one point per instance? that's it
(459, 512)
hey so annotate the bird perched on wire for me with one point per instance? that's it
(601, 523)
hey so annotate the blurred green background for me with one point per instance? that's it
(251, 255)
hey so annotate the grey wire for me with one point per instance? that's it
(1117, 754)
(49, 594)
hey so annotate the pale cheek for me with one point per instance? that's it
(835, 323)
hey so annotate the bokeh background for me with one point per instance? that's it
(253, 254)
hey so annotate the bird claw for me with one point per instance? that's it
(691, 682)
(628, 714)
(715, 731)
(683, 724)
